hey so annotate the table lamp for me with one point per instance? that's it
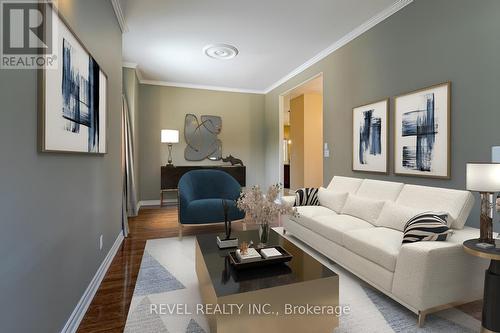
(169, 136)
(485, 179)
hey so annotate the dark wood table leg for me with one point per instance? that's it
(491, 307)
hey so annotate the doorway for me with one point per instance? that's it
(301, 135)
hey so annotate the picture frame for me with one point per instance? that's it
(370, 149)
(422, 132)
(73, 97)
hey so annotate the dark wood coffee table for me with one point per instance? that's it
(278, 298)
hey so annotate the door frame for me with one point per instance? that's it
(281, 107)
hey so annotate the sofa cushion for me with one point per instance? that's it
(456, 203)
(427, 227)
(363, 208)
(395, 216)
(333, 227)
(332, 199)
(307, 196)
(379, 190)
(345, 184)
(308, 213)
(380, 245)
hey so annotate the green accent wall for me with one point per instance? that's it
(54, 207)
(163, 107)
(427, 42)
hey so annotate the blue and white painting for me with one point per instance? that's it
(370, 137)
(74, 99)
(422, 132)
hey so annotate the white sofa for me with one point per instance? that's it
(367, 240)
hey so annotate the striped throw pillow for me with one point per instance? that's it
(427, 226)
(306, 197)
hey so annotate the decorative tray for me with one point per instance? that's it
(285, 257)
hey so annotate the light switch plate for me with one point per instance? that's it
(495, 154)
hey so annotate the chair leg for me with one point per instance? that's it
(421, 319)
(181, 229)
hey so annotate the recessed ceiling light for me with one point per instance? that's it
(220, 51)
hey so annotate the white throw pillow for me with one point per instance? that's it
(363, 208)
(331, 199)
(395, 216)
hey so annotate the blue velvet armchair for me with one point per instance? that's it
(200, 197)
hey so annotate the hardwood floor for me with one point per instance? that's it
(109, 308)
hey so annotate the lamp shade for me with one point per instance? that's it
(483, 177)
(169, 136)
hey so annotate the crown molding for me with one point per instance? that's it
(201, 86)
(119, 15)
(132, 65)
(381, 16)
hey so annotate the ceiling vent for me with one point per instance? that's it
(220, 51)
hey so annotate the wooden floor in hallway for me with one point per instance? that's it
(109, 308)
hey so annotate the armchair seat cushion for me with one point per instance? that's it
(210, 210)
(201, 193)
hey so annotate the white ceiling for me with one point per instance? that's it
(165, 38)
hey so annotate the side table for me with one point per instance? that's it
(491, 306)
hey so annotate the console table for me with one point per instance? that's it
(170, 175)
(491, 306)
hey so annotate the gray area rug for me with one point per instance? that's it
(167, 276)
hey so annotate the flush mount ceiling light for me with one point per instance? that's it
(220, 51)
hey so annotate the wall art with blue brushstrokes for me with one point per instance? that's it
(370, 144)
(74, 99)
(422, 130)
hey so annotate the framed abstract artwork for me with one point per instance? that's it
(370, 137)
(422, 132)
(73, 98)
(202, 141)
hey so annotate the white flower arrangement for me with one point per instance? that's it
(263, 208)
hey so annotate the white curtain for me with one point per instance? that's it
(129, 191)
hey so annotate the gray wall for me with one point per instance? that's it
(131, 91)
(427, 42)
(53, 207)
(166, 107)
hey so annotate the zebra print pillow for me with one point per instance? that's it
(427, 227)
(306, 197)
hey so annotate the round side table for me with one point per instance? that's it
(491, 306)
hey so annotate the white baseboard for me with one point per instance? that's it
(84, 303)
(144, 203)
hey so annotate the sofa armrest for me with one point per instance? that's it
(288, 199)
(430, 274)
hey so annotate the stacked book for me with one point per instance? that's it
(270, 253)
(252, 254)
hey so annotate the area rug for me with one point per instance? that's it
(167, 277)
